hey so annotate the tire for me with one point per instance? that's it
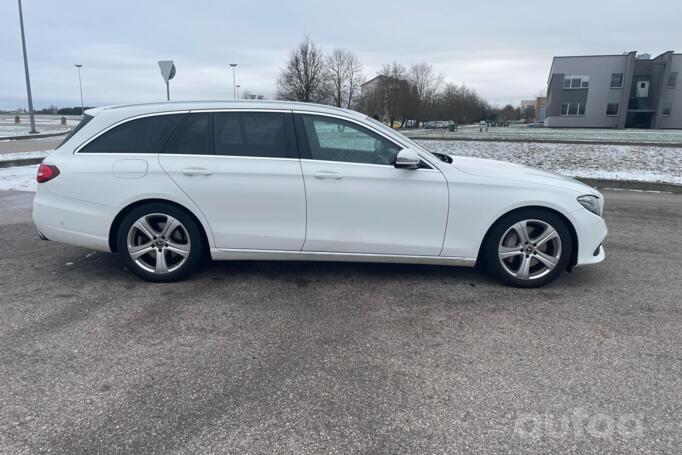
(151, 253)
(528, 248)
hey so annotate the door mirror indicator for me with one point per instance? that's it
(407, 159)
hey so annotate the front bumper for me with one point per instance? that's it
(591, 232)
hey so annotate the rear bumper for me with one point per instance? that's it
(71, 221)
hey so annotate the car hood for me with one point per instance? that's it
(518, 172)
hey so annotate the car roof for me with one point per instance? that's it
(127, 110)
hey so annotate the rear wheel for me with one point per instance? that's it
(159, 242)
(528, 248)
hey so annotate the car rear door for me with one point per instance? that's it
(242, 170)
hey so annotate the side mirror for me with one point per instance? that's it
(407, 159)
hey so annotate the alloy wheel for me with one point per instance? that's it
(529, 249)
(158, 243)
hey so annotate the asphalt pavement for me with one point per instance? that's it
(269, 357)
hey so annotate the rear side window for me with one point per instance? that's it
(192, 136)
(250, 134)
(143, 135)
(84, 121)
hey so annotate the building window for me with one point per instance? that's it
(612, 109)
(672, 80)
(573, 81)
(667, 109)
(617, 80)
(572, 109)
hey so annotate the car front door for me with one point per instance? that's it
(358, 201)
(242, 170)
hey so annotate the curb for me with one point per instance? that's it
(544, 141)
(606, 184)
(21, 162)
(595, 183)
(33, 136)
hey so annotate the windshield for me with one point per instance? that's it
(84, 121)
(402, 136)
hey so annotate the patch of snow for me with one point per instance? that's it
(22, 178)
(24, 155)
(617, 162)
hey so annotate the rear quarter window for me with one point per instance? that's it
(142, 135)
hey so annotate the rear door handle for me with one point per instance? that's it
(328, 175)
(196, 171)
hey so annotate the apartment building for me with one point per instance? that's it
(615, 91)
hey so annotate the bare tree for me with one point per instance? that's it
(354, 77)
(345, 73)
(426, 81)
(304, 76)
(337, 67)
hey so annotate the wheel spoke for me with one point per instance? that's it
(521, 229)
(170, 225)
(143, 226)
(549, 261)
(524, 269)
(509, 251)
(182, 250)
(546, 236)
(161, 266)
(140, 250)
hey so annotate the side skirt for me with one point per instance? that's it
(220, 254)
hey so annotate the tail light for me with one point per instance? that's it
(47, 172)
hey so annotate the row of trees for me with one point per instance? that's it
(398, 93)
(310, 76)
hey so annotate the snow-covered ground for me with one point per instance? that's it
(44, 124)
(521, 133)
(617, 162)
(21, 178)
(23, 155)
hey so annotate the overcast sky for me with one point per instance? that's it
(503, 51)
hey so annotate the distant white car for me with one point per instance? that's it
(164, 184)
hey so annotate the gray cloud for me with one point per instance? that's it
(503, 50)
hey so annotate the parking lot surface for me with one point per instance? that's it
(249, 357)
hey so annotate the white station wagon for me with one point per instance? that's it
(165, 184)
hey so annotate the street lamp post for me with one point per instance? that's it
(234, 80)
(28, 79)
(80, 85)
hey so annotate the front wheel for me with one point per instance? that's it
(528, 248)
(159, 242)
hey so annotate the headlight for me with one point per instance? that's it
(591, 203)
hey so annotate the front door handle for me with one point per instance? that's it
(328, 175)
(196, 171)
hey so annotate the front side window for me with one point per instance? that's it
(191, 137)
(672, 80)
(143, 135)
(612, 109)
(250, 134)
(332, 139)
(617, 80)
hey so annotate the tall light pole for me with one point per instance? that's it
(234, 80)
(28, 79)
(80, 85)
